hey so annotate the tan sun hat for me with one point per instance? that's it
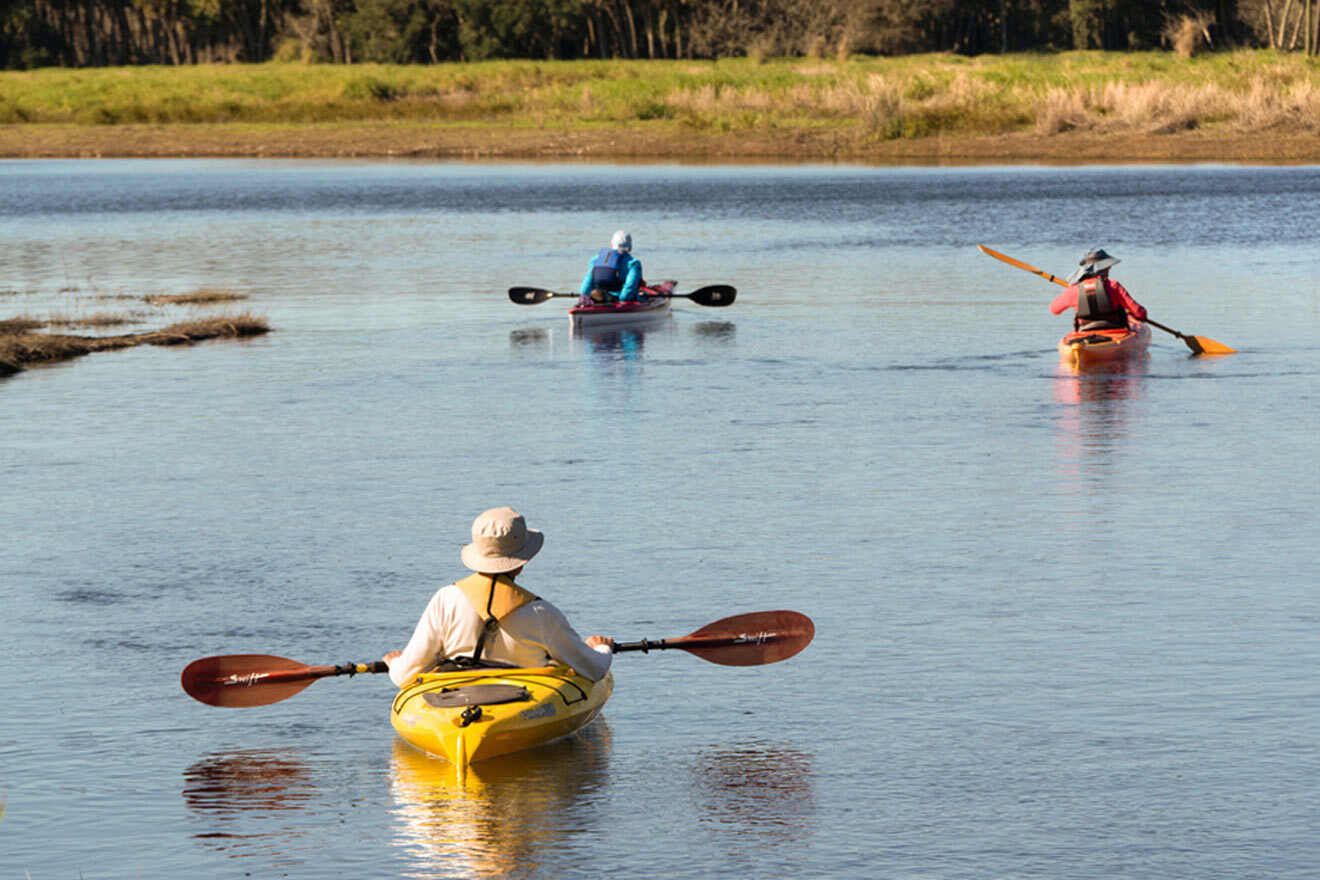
(501, 542)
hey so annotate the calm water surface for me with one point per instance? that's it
(1066, 625)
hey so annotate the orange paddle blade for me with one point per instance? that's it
(1211, 346)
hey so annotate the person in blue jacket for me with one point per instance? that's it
(615, 275)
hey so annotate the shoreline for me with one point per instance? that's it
(411, 140)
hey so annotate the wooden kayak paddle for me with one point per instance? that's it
(1198, 344)
(240, 680)
(741, 640)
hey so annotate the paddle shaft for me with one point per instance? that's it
(311, 672)
(686, 642)
(1186, 339)
(1005, 258)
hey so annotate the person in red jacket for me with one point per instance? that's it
(1101, 303)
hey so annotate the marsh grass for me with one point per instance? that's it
(10, 326)
(200, 297)
(100, 319)
(21, 346)
(230, 326)
(866, 98)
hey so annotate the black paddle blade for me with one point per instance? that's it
(714, 295)
(529, 296)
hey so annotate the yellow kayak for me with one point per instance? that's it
(475, 714)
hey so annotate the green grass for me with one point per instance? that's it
(869, 98)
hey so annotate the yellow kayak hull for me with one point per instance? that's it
(460, 717)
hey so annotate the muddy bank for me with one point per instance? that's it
(430, 141)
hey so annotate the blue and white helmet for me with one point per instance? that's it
(621, 241)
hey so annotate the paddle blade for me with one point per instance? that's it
(1198, 344)
(1206, 345)
(245, 679)
(713, 295)
(529, 296)
(750, 639)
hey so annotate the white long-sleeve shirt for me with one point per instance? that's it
(537, 634)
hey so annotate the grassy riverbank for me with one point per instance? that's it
(1251, 104)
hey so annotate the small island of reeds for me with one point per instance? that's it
(26, 340)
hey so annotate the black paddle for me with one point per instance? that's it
(711, 295)
(261, 679)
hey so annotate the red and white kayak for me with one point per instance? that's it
(1083, 348)
(653, 304)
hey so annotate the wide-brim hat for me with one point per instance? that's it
(1096, 261)
(501, 542)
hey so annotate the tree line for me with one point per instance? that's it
(88, 33)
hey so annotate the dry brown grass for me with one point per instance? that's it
(1164, 108)
(19, 346)
(245, 324)
(20, 325)
(101, 319)
(201, 297)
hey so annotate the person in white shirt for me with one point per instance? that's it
(488, 619)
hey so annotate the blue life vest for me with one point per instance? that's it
(609, 271)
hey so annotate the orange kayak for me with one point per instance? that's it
(1086, 347)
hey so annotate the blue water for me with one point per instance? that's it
(1065, 623)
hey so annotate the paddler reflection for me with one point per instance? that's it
(759, 790)
(617, 344)
(1098, 402)
(240, 796)
(505, 813)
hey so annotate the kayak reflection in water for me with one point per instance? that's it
(1101, 303)
(615, 275)
(488, 619)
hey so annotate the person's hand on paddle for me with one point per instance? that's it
(597, 642)
(391, 655)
